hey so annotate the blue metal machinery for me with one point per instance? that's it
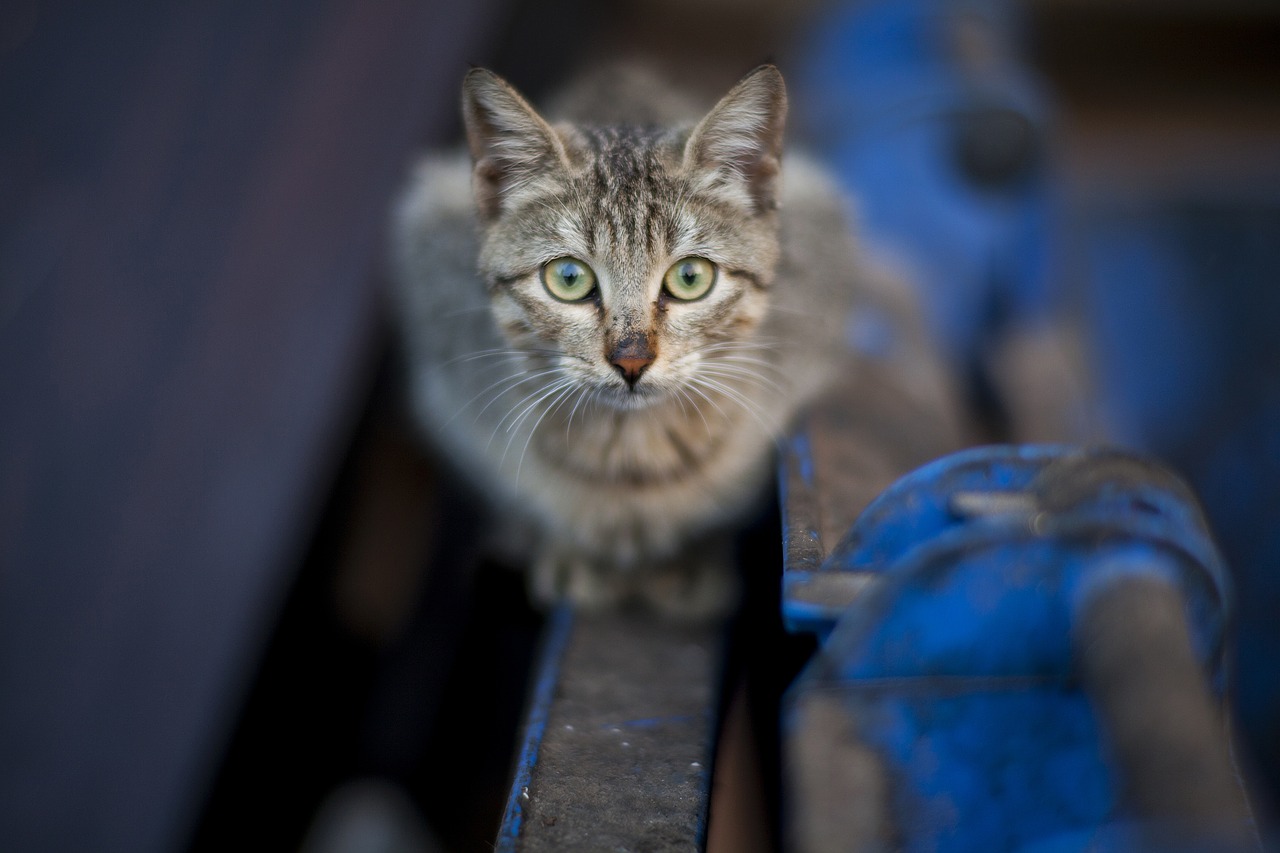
(1035, 663)
(927, 113)
(929, 116)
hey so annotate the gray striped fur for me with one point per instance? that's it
(631, 490)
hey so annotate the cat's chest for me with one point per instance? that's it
(647, 448)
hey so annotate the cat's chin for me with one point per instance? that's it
(631, 399)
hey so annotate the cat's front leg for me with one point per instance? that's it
(699, 584)
(563, 572)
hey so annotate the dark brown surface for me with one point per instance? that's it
(625, 759)
(192, 207)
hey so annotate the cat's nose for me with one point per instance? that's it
(631, 368)
(632, 356)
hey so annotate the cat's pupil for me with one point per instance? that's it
(689, 274)
(570, 274)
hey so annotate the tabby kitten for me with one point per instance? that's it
(608, 325)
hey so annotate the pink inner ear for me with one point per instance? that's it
(487, 187)
(507, 138)
(744, 132)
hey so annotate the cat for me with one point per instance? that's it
(610, 321)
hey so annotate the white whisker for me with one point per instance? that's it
(536, 396)
(513, 382)
(738, 398)
(510, 382)
(683, 395)
(731, 372)
(584, 396)
(513, 429)
(555, 404)
(487, 353)
(512, 410)
(693, 386)
(747, 359)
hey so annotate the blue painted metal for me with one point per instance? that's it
(957, 667)
(918, 521)
(1183, 305)
(548, 673)
(1180, 295)
(926, 113)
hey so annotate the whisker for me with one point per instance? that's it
(692, 386)
(563, 384)
(747, 359)
(555, 404)
(520, 379)
(739, 399)
(683, 395)
(555, 387)
(497, 351)
(725, 371)
(574, 410)
(746, 343)
(538, 396)
(486, 353)
(511, 381)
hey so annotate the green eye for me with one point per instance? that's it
(568, 279)
(690, 278)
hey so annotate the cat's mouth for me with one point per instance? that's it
(630, 397)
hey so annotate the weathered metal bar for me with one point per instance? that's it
(619, 738)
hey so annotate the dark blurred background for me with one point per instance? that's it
(230, 585)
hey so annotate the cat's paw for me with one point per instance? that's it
(697, 588)
(560, 575)
(699, 585)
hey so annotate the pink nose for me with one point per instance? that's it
(631, 368)
(632, 356)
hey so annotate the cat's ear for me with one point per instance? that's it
(740, 140)
(510, 143)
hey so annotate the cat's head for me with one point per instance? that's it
(637, 256)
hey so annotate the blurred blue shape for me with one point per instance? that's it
(943, 136)
(924, 111)
(1184, 308)
(960, 667)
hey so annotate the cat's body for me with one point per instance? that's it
(632, 423)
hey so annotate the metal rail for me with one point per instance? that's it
(619, 739)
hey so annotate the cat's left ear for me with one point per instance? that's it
(740, 140)
(510, 143)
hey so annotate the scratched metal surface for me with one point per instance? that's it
(619, 739)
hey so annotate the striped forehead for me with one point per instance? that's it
(627, 193)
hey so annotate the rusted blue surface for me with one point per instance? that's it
(958, 667)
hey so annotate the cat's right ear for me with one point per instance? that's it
(510, 143)
(740, 140)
